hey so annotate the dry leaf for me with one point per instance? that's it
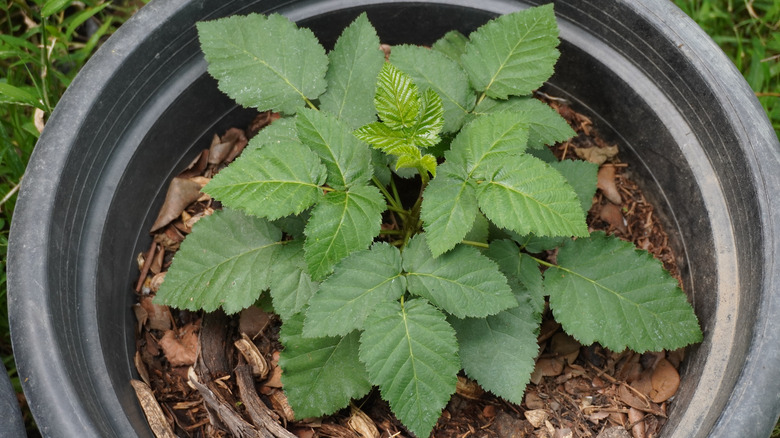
(468, 388)
(606, 183)
(613, 215)
(536, 417)
(157, 281)
(636, 418)
(614, 432)
(546, 367)
(565, 346)
(665, 381)
(362, 424)
(158, 316)
(636, 400)
(281, 406)
(252, 355)
(253, 321)
(596, 154)
(180, 350)
(533, 401)
(181, 193)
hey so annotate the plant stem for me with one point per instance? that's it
(543, 263)
(310, 104)
(477, 244)
(391, 201)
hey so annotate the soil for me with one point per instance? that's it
(232, 387)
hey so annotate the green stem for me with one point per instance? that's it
(392, 232)
(400, 211)
(395, 191)
(391, 201)
(310, 104)
(543, 263)
(481, 98)
(477, 244)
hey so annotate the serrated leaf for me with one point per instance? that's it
(291, 285)
(429, 121)
(513, 54)
(341, 223)
(222, 263)
(500, 351)
(320, 375)
(274, 181)
(381, 136)
(411, 354)
(535, 244)
(546, 126)
(432, 70)
(418, 161)
(355, 62)
(280, 131)
(360, 283)
(397, 98)
(605, 290)
(581, 175)
(347, 159)
(480, 230)
(497, 135)
(448, 210)
(452, 45)
(463, 282)
(521, 271)
(381, 166)
(244, 55)
(526, 195)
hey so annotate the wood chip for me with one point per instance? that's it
(362, 424)
(636, 418)
(536, 417)
(154, 413)
(606, 183)
(665, 381)
(252, 355)
(468, 388)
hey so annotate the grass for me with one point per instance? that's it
(44, 43)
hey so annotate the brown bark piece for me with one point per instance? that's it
(154, 413)
(262, 417)
(225, 411)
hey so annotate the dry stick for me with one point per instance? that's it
(154, 414)
(145, 269)
(258, 411)
(237, 425)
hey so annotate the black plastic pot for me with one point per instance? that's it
(692, 130)
(10, 414)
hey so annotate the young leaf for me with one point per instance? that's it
(448, 211)
(452, 45)
(499, 351)
(430, 69)
(610, 280)
(513, 54)
(581, 175)
(242, 49)
(526, 195)
(463, 282)
(361, 282)
(546, 126)
(216, 265)
(320, 375)
(411, 354)
(274, 181)
(397, 98)
(416, 160)
(487, 137)
(341, 223)
(429, 121)
(381, 136)
(290, 283)
(354, 65)
(347, 159)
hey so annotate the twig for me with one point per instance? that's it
(11, 192)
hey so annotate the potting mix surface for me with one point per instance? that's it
(233, 387)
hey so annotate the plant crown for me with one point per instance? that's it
(456, 284)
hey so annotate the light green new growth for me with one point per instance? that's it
(401, 289)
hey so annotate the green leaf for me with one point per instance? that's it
(500, 351)
(526, 195)
(546, 126)
(222, 263)
(521, 271)
(341, 223)
(536, 244)
(480, 231)
(18, 96)
(362, 282)
(605, 290)
(252, 67)
(581, 175)
(51, 7)
(354, 65)
(274, 181)
(381, 136)
(463, 282)
(397, 98)
(429, 121)
(497, 135)
(411, 354)
(320, 375)
(291, 285)
(280, 131)
(347, 159)
(452, 45)
(513, 54)
(433, 70)
(448, 210)
(415, 160)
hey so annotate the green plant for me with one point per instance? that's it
(399, 265)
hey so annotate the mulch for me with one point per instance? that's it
(232, 388)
